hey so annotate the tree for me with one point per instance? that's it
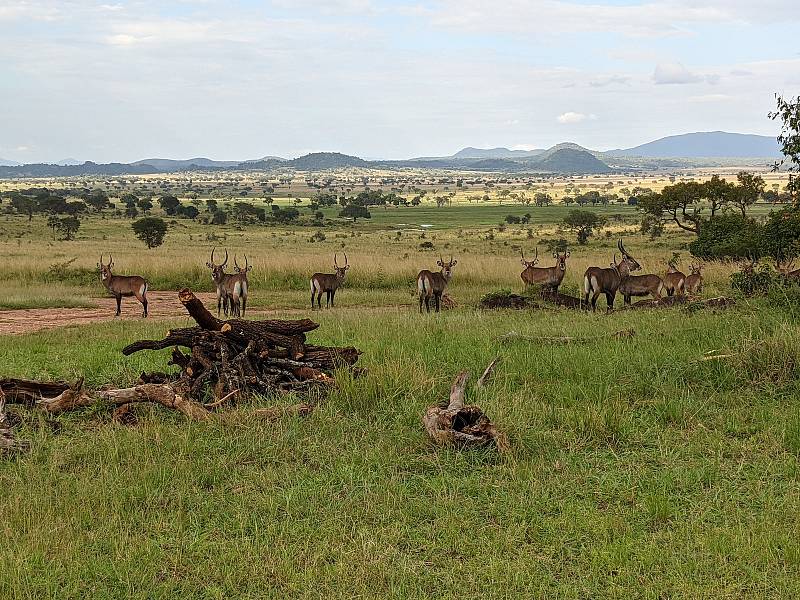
(355, 211)
(24, 205)
(583, 223)
(718, 192)
(97, 199)
(150, 230)
(679, 203)
(728, 236)
(68, 227)
(285, 215)
(748, 191)
(788, 111)
(169, 204)
(542, 199)
(220, 218)
(144, 205)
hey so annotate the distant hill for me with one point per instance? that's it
(569, 160)
(87, 168)
(64, 162)
(712, 144)
(168, 164)
(4, 162)
(470, 152)
(326, 160)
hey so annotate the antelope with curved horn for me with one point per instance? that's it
(674, 280)
(547, 277)
(328, 283)
(237, 289)
(606, 281)
(694, 282)
(123, 285)
(432, 285)
(231, 287)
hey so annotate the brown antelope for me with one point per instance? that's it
(231, 287)
(694, 282)
(641, 285)
(432, 285)
(123, 285)
(328, 283)
(547, 277)
(598, 281)
(674, 280)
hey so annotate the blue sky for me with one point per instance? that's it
(121, 81)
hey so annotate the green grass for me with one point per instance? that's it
(17, 295)
(636, 469)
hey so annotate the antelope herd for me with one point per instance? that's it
(232, 288)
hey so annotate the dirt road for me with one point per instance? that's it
(162, 305)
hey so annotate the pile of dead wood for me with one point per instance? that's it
(688, 301)
(224, 361)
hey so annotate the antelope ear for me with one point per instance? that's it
(208, 264)
(346, 267)
(568, 253)
(524, 262)
(454, 263)
(440, 263)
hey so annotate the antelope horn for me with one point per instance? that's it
(110, 260)
(212, 255)
(536, 256)
(335, 262)
(101, 259)
(245, 262)
(225, 262)
(346, 262)
(235, 264)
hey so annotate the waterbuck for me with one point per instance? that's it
(328, 283)
(674, 280)
(548, 277)
(231, 287)
(432, 285)
(123, 285)
(694, 282)
(641, 285)
(598, 281)
(787, 269)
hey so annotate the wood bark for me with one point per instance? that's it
(461, 425)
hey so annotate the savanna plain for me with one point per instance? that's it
(659, 465)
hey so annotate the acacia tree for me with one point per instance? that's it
(151, 230)
(748, 191)
(583, 223)
(788, 111)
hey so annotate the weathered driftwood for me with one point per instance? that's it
(513, 336)
(460, 425)
(487, 373)
(226, 360)
(248, 357)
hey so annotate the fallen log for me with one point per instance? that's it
(669, 301)
(513, 336)
(487, 373)
(460, 425)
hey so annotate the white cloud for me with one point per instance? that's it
(710, 98)
(674, 73)
(570, 117)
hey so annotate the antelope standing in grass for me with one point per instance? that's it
(123, 285)
(231, 287)
(548, 277)
(641, 285)
(598, 281)
(432, 285)
(694, 282)
(674, 280)
(328, 283)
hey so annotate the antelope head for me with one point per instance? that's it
(561, 259)
(628, 264)
(217, 271)
(447, 267)
(529, 263)
(105, 270)
(238, 269)
(340, 271)
(695, 268)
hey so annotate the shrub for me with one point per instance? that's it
(729, 236)
(151, 230)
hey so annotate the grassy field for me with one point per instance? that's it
(638, 467)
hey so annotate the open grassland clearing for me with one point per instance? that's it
(662, 464)
(635, 465)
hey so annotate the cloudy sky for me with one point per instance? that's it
(121, 81)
